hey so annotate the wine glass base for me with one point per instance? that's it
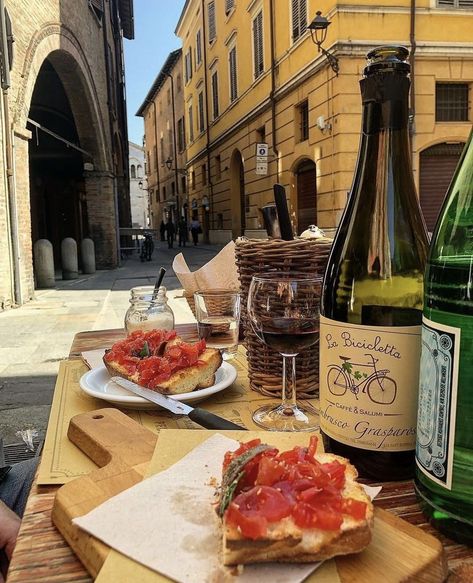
(286, 418)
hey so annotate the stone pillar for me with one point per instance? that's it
(87, 255)
(102, 215)
(44, 263)
(70, 268)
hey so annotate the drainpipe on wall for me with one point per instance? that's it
(176, 173)
(209, 175)
(412, 40)
(109, 104)
(158, 183)
(12, 210)
(273, 84)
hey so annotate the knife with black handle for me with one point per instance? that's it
(200, 416)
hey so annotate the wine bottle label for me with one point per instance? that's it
(437, 401)
(369, 377)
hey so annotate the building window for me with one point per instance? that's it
(219, 220)
(218, 167)
(261, 135)
(181, 134)
(303, 119)
(215, 94)
(139, 171)
(191, 124)
(193, 179)
(229, 5)
(211, 21)
(183, 185)
(299, 18)
(451, 101)
(198, 48)
(173, 188)
(188, 65)
(133, 171)
(232, 61)
(465, 4)
(178, 83)
(258, 44)
(164, 193)
(155, 156)
(170, 143)
(201, 112)
(161, 148)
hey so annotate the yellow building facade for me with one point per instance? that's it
(253, 75)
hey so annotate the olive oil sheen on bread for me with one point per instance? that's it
(371, 310)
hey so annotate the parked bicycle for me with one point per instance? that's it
(379, 387)
(147, 247)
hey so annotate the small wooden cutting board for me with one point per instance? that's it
(123, 449)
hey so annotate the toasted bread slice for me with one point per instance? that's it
(185, 380)
(286, 542)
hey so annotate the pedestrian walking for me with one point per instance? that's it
(195, 230)
(162, 230)
(171, 231)
(182, 232)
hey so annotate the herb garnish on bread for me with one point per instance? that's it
(163, 362)
(293, 506)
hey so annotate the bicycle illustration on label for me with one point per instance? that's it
(379, 387)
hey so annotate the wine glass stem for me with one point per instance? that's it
(289, 382)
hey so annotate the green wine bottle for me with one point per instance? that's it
(444, 450)
(371, 309)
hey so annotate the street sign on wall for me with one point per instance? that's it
(262, 158)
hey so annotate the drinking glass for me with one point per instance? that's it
(218, 318)
(284, 311)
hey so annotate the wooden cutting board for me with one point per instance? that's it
(123, 448)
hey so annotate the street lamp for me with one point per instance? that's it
(318, 31)
(168, 164)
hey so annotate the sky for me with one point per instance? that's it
(155, 22)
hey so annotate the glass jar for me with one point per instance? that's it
(148, 310)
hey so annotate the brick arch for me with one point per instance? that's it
(59, 44)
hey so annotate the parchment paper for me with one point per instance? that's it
(219, 273)
(168, 524)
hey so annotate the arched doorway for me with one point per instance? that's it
(239, 200)
(57, 189)
(437, 165)
(306, 188)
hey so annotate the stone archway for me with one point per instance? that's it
(306, 191)
(58, 45)
(238, 198)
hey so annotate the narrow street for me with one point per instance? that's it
(37, 336)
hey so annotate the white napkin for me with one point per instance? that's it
(219, 273)
(168, 524)
(93, 358)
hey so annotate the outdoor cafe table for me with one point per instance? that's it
(42, 555)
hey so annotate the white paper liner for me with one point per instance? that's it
(168, 524)
(219, 273)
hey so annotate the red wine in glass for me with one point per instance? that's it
(289, 336)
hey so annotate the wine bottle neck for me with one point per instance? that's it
(385, 103)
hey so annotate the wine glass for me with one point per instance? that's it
(284, 311)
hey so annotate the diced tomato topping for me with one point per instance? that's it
(270, 470)
(147, 354)
(292, 483)
(354, 508)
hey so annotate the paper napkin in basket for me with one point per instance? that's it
(219, 273)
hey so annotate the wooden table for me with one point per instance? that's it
(42, 555)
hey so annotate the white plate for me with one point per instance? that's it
(97, 383)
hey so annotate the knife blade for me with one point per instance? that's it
(200, 416)
(283, 212)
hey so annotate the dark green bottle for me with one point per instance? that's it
(371, 310)
(444, 450)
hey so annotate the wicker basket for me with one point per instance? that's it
(257, 256)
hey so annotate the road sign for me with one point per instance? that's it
(261, 158)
